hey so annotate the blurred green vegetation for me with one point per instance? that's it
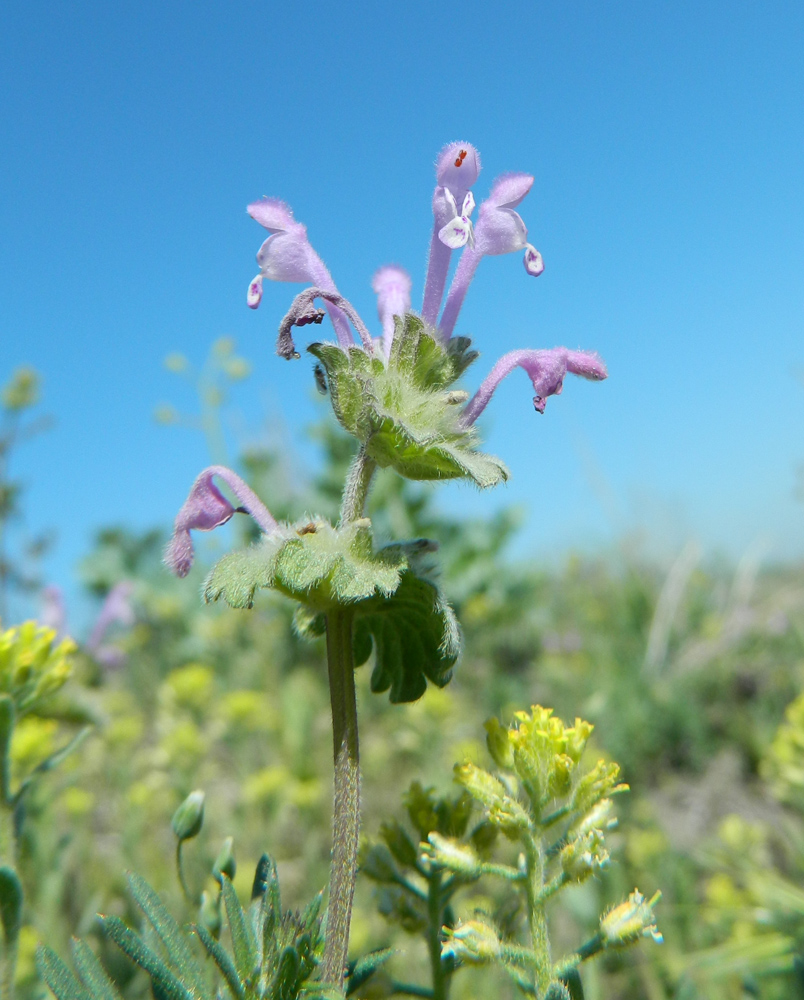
(690, 676)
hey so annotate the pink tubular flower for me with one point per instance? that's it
(457, 169)
(392, 285)
(499, 230)
(206, 508)
(546, 370)
(288, 256)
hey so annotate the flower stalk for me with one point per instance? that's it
(346, 804)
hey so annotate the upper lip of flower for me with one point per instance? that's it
(206, 508)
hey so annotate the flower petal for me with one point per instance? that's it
(500, 230)
(456, 171)
(468, 204)
(456, 233)
(254, 296)
(273, 214)
(288, 256)
(206, 508)
(508, 190)
(534, 264)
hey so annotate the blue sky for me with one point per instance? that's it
(667, 142)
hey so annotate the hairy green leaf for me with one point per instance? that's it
(243, 943)
(222, 959)
(170, 934)
(415, 636)
(311, 562)
(59, 978)
(92, 972)
(164, 980)
(364, 968)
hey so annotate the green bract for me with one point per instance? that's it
(311, 562)
(398, 610)
(403, 411)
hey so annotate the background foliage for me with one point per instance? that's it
(692, 677)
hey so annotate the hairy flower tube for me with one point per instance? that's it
(499, 230)
(546, 370)
(206, 508)
(457, 170)
(392, 286)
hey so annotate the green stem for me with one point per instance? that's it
(180, 870)
(346, 805)
(434, 908)
(355, 491)
(537, 915)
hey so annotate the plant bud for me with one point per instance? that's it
(399, 843)
(225, 861)
(189, 817)
(473, 942)
(631, 920)
(452, 854)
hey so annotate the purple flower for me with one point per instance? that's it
(302, 312)
(546, 370)
(206, 508)
(116, 609)
(457, 169)
(54, 612)
(499, 230)
(288, 256)
(392, 285)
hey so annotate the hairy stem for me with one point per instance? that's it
(346, 805)
(540, 941)
(355, 492)
(434, 907)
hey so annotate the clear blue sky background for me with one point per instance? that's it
(667, 141)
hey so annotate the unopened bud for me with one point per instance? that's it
(631, 920)
(452, 854)
(499, 744)
(473, 942)
(189, 817)
(225, 861)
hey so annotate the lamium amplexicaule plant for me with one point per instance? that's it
(399, 394)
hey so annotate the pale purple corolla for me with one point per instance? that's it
(115, 610)
(392, 286)
(457, 170)
(287, 255)
(546, 370)
(499, 230)
(206, 508)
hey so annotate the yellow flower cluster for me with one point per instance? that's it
(32, 664)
